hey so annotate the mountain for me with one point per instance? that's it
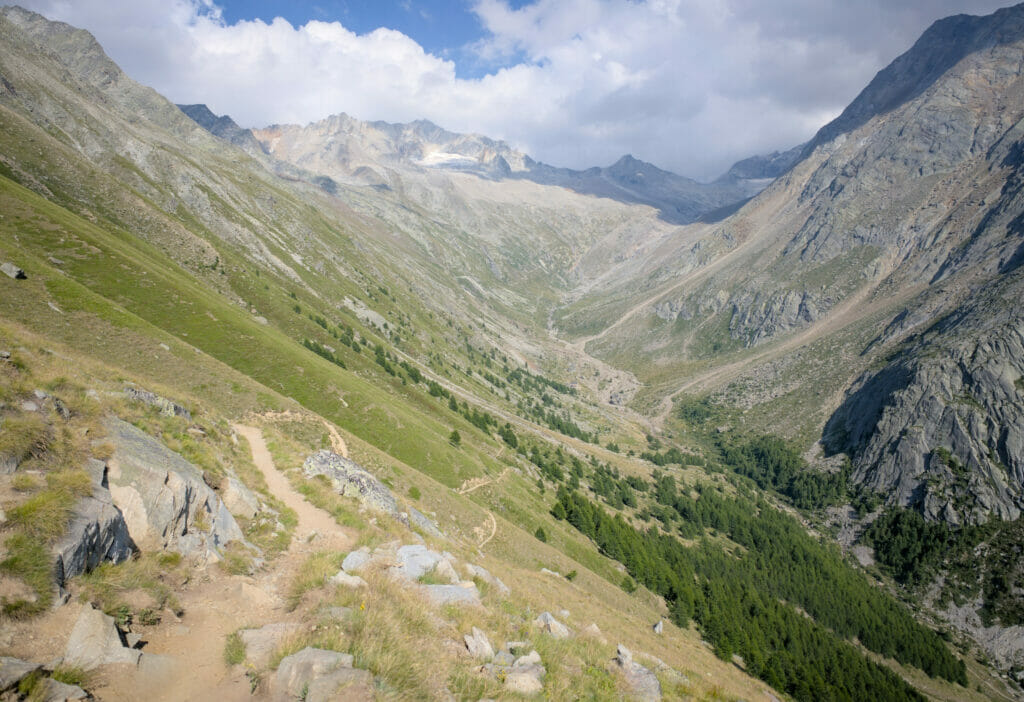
(222, 126)
(376, 153)
(891, 223)
(602, 410)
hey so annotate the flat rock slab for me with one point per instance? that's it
(95, 641)
(51, 690)
(12, 670)
(356, 561)
(317, 674)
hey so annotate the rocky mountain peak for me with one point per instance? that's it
(942, 46)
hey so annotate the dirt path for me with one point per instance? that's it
(493, 527)
(338, 444)
(190, 652)
(477, 483)
(311, 519)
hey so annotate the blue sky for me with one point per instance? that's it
(689, 85)
(446, 28)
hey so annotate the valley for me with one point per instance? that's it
(319, 411)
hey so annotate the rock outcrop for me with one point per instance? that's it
(549, 625)
(97, 531)
(642, 683)
(942, 426)
(164, 500)
(96, 640)
(352, 480)
(166, 407)
(316, 675)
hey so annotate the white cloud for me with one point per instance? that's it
(689, 85)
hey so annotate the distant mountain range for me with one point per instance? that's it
(371, 153)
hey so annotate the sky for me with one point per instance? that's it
(689, 85)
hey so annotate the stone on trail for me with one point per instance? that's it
(50, 690)
(261, 643)
(95, 641)
(13, 670)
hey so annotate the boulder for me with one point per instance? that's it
(12, 271)
(343, 579)
(165, 503)
(240, 500)
(97, 531)
(12, 670)
(95, 641)
(356, 560)
(476, 571)
(349, 479)
(552, 626)
(414, 561)
(452, 594)
(50, 690)
(166, 407)
(526, 677)
(592, 631)
(261, 643)
(317, 675)
(444, 571)
(643, 684)
(659, 626)
(478, 645)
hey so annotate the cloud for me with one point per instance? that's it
(690, 86)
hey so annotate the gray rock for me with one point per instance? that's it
(12, 271)
(163, 498)
(643, 684)
(349, 684)
(166, 407)
(552, 626)
(95, 641)
(356, 560)
(261, 643)
(351, 480)
(526, 676)
(478, 645)
(414, 561)
(343, 579)
(531, 658)
(96, 533)
(316, 674)
(452, 594)
(503, 658)
(5, 355)
(427, 525)
(29, 406)
(239, 499)
(50, 690)
(659, 626)
(444, 571)
(12, 670)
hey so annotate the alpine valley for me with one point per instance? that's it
(362, 410)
